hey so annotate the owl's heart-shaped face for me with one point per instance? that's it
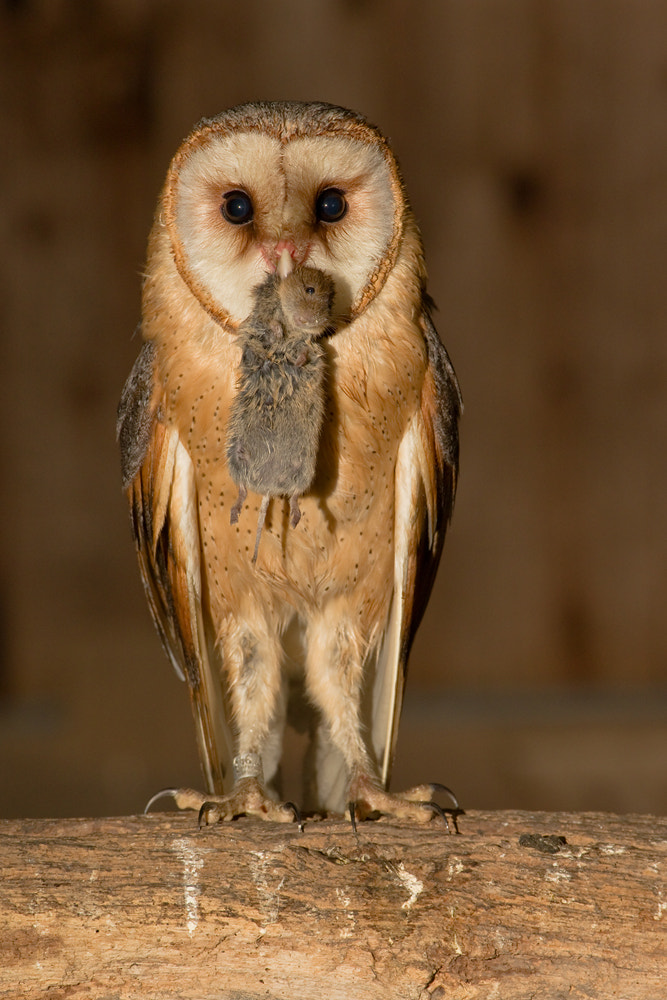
(237, 197)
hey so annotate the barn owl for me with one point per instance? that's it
(330, 607)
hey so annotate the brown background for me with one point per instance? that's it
(533, 139)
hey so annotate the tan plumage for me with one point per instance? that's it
(345, 590)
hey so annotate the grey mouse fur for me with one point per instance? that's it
(276, 417)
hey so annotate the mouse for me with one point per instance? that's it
(276, 417)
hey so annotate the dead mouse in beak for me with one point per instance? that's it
(276, 416)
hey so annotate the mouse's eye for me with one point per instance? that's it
(330, 205)
(237, 207)
(309, 290)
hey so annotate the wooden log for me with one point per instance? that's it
(518, 905)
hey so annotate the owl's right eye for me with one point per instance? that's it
(237, 207)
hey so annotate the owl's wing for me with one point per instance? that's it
(158, 476)
(425, 484)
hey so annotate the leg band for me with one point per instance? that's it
(248, 765)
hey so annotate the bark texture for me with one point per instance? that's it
(519, 905)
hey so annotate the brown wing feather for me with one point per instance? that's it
(441, 407)
(426, 472)
(160, 484)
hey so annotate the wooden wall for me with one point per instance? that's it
(533, 138)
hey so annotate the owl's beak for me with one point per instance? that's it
(285, 264)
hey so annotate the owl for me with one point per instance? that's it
(318, 630)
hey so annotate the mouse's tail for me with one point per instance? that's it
(260, 524)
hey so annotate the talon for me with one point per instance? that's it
(166, 792)
(454, 815)
(351, 808)
(437, 787)
(297, 815)
(203, 816)
(441, 812)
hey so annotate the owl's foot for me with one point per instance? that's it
(367, 799)
(247, 799)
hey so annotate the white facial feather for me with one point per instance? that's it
(217, 252)
(353, 248)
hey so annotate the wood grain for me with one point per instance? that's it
(152, 907)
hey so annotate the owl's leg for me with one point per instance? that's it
(334, 671)
(334, 664)
(252, 661)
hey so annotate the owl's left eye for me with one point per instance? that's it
(237, 207)
(330, 205)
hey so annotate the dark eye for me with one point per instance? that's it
(309, 290)
(331, 205)
(237, 207)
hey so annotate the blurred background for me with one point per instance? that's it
(533, 139)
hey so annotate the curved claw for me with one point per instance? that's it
(172, 792)
(298, 819)
(352, 808)
(446, 814)
(203, 810)
(437, 787)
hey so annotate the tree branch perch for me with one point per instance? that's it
(152, 907)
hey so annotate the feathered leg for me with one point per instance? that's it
(252, 663)
(334, 673)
